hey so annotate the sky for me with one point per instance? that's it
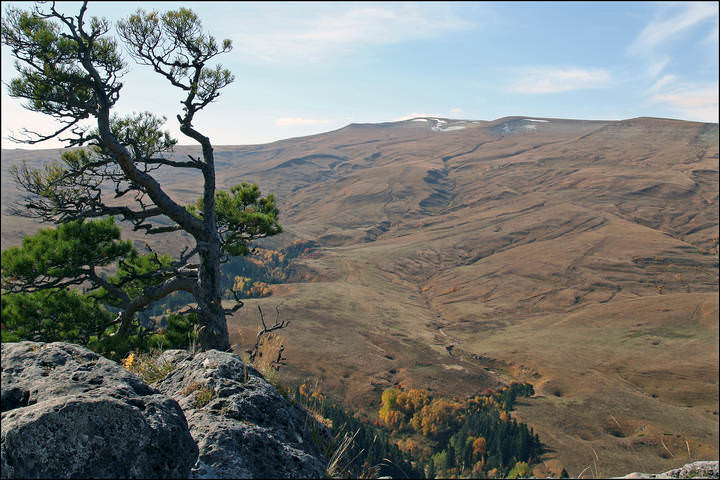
(306, 68)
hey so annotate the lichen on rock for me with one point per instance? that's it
(68, 412)
(700, 469)
(247, 429)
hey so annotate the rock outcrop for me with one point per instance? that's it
(702, 469)
(243, 427)
(68, 412)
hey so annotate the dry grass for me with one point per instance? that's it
(540, 253)
(269, 352)
(337, 463)
(145, 366)
(203, 394)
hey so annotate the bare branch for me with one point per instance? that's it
(238, 304)
(265, 330)
(29, 134)
(172, 163)
(150, 295)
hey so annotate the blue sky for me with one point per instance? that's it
(304, 68)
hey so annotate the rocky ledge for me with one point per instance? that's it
(243, 427)
(702, 469)
(68, 412)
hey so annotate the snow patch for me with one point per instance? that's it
(531, 127)
(441, 125)
(419, 120)
(535, 120)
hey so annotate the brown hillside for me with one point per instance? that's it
(580, 256)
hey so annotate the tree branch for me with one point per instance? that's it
(265, 330)
(150, 295)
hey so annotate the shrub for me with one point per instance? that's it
(520, 470)
(145, 366)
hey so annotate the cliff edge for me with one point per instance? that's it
(69, 412)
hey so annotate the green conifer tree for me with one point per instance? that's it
(70, 69)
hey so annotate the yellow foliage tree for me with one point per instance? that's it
(392, 419)
(439, 416)
(248, 288)
(413, 400)
(480, 447)
(388, 408)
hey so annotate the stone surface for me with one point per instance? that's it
(701, 469)
(68, 412)
(243, 427)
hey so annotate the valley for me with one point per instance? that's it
(455, 255)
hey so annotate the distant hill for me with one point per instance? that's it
(580, 256)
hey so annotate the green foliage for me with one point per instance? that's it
(53, 79)
(242, 215)
(59, 184)
(371, 447)
(177, 39)
(64, 315)
(35, 309)
(52, 316)
(467, 437)
(430, 469)
(65, 252)
(440, 459)
(520, 470)
(142, 131)
(69, 69)
(509, 395)
(135, 273)
(177, 332)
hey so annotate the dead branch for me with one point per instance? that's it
(265, 330)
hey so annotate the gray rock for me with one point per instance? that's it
(702, 469)
(243, 427)
(68, 412)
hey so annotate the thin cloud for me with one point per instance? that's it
(694, 103)
(657, 67)
(657, 86)
(315, 37)
(662, 30)
(545, 80)
(295, 121)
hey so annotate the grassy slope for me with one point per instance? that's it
(574, 255)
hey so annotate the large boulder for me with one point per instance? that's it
(68, 412)
(701, 469)
(243, 427)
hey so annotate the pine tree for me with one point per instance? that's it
(431, 469)
(69, 69)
